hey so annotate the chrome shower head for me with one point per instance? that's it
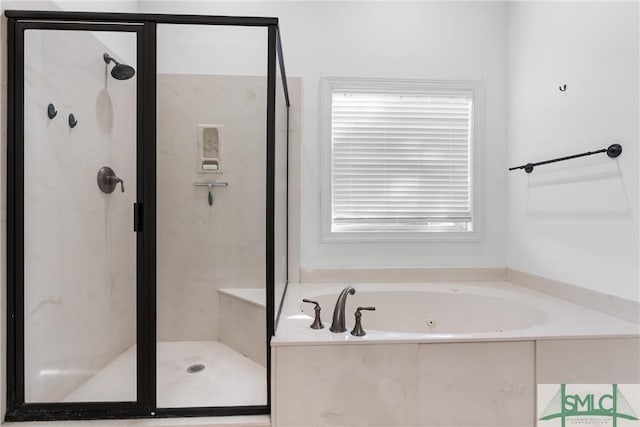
(119, 71)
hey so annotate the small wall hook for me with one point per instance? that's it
(72, 121)
(563, 88)
(51, 111)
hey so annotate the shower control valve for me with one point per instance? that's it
(317, 322)
(107, 180)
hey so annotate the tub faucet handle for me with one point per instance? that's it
(317, 322)
(357, 329)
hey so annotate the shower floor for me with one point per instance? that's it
(228, 379)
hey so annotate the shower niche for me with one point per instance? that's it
(120, 303)
(209, 148)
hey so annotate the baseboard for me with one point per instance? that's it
(402, 275)
(612, 305)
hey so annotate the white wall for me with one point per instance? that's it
(119, 6)
(424, 40)
(126, 51)
(207, 49)
(575, 221)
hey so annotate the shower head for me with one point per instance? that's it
(119, 71)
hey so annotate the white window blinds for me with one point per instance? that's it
(401, 161)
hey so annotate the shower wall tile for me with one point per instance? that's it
(204, 248)
(242, 327)
(79, 244)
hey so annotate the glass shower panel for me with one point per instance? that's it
(211, 224)
(281, 188)
(79, 244)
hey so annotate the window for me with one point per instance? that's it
(400, 158)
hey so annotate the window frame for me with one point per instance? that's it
(330, 84)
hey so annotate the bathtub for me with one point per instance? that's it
(436, 354)
(433, 312)
(441, 309)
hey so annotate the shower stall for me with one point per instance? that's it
(146, 213)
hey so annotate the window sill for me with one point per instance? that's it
(400, 237)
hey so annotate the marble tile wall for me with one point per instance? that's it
(612, 305)
(462, 384)
(468, 384)
(79, 243)
(346, 385)
(242, 327)
(203, 248)
(402, 275)
(597, 361)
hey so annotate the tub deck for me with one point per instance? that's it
(565, 320)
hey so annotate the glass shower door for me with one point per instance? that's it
(79, 186)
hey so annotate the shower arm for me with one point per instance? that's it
(119, 71)
(108, 58)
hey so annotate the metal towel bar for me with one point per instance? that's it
(612, 151)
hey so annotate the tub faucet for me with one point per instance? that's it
(338, 312)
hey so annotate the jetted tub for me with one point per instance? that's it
(439, 354)
(427, 312)
(444, 309)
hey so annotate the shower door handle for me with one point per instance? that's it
(137, 217)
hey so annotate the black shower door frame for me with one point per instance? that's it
(145, 27)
